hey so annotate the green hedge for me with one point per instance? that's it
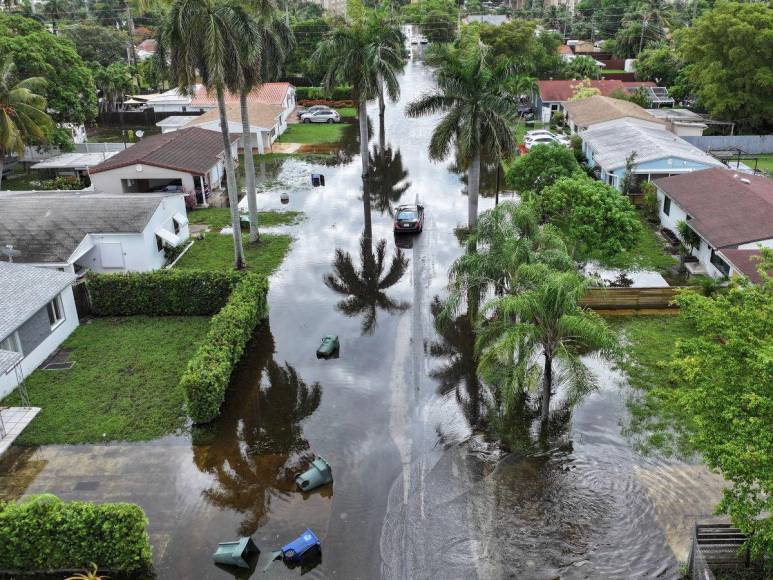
(310, 93)
(160, 293)
(209, 371)
(44, 533)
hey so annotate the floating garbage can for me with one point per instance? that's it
(235, 553)
(300, 545)
(284, 197)
(317, 179)
(328, 347)
(317, 475)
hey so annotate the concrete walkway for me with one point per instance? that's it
(14, 419)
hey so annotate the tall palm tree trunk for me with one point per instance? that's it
(230, 174)
(473, 187)
(362, 113)
(547, 387)
(381, 134)
(249, 168)
(2, 164)
(381, 103)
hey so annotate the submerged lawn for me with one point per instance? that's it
(220, 217)
(124, 385)
(216, 252)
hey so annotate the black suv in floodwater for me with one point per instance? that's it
(409, 218)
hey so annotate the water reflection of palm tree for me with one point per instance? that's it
(386, 178)
(366, 287)
(259, 446)
(460, 374)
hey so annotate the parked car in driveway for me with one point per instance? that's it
(324, 116)
(313, 109)
(409, 218)
(542, 137)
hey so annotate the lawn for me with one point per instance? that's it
(219, 217)
(764, 162)
(313, 133)
(19, 181)
(124, 385)
(648, 254)
(347, 111)
(215, 252)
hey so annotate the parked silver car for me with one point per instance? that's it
(323, 116)
(313, 109)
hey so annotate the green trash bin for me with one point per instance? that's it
(329, 346)
(317, 475)
(235, 553)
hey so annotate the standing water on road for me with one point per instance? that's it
(417, 494)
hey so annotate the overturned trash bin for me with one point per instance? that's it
(235, 553)
(317, 475)
(329, 346)
(317, 179)
(300, 545)
(284, 197)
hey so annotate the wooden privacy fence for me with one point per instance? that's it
(631, 298)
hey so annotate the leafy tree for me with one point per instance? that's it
(633, 38)
(628, 186)
(58, 10)
(69, 89)
(638, 97)
(719, 400)
(542, 166)
(207, 40)
(544, 320)
(593, 215)
(729, 48)
(515, 39)
(98, 44)
(23, 117)
(583, 67)
(438, 26)
(659, 64)
(309, 34)
(114, 81)
(478, 111)
(583, 90)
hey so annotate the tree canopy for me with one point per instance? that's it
(542, 166)
(99, 44)
(36, 52)
(730, 47)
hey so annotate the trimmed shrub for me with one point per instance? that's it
(206, 378)
(44, 533)
(328, 102)
(341, 93)
(160, 293)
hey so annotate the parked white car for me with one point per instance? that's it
(321, 116)
(542, 137)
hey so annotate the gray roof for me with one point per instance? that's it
(615, 141)
(26, 289)
(80, 161)
(48, 226)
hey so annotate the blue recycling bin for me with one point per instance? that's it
(300, 545)
(317, 180)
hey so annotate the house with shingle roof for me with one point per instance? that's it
(731, 212)
(550, 96)
(37, 312)
(659, 153)
(593, 111)
(80, 231)
(191, 160)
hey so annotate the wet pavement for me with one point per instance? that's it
(417, 492)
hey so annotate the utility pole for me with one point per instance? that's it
(641, 41)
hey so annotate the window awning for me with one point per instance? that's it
(169, 237)
(180, 219)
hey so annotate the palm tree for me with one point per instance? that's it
(479, 112)
(352, 54)
(23, 116)
(268, 58)
(366, 287)
(388, 40)
(208, 39)
(545, 319)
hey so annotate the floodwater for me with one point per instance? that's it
(418, 492)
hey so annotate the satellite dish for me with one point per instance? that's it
(139, 133)
(8, 251)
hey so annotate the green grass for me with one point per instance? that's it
(19, 181)
(649, 253)
(220, 217)
(764, 162)
(611, 70)
(347, 111)
(124, 385)
(313, 133)
(215, 252)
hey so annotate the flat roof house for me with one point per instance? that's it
(593, 111)
(265, 122)
(731, 212)
(550, 96)
(658, 152)
(76, 231)
(37, 312)
(186, 161)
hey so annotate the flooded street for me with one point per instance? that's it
(393, 415)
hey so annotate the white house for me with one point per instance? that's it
(266, 123)
(659, 153)
(729, 211)
(172, 101)
(37, 312)
(174, 122)
(77, 231)
(277, 94)
(681, 122)
(187, 161)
